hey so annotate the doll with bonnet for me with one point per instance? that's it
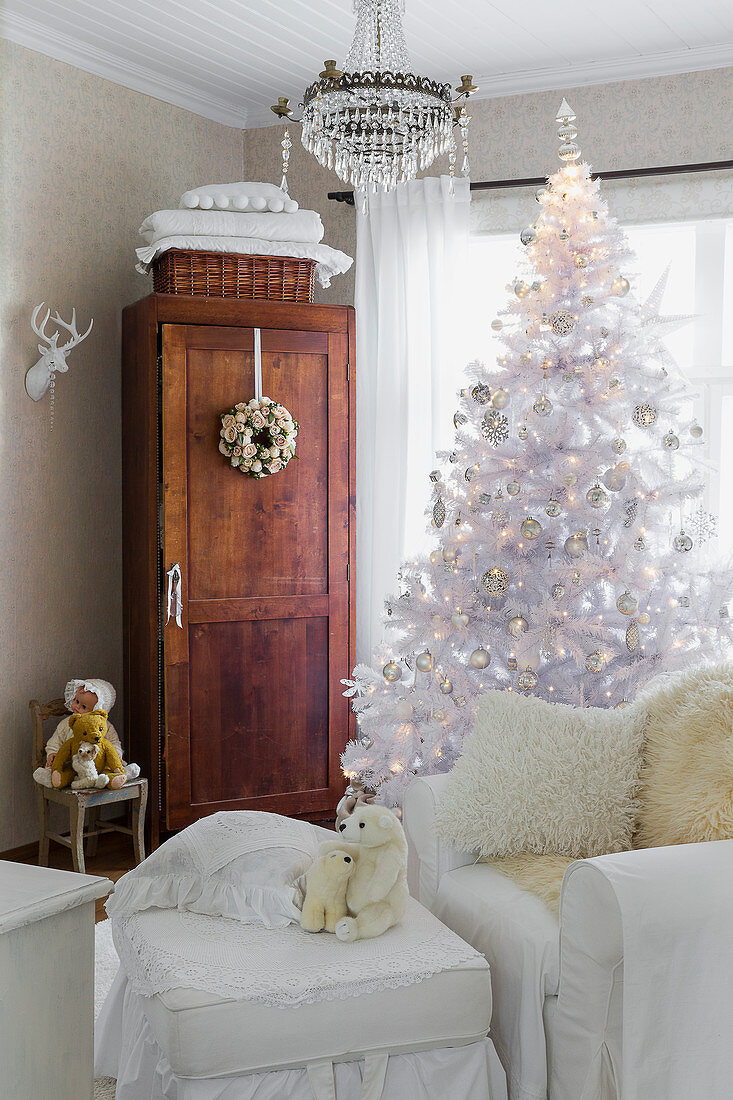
(82, 697)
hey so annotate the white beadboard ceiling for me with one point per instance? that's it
(228, 60)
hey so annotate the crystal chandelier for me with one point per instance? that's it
(376, 124)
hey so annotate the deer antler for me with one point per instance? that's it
(41, 331)
(75, 337)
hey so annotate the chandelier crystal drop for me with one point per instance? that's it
(376, 124)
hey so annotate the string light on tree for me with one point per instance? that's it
(559, 566)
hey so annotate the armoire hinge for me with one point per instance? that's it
(348, 571)
(348, 372)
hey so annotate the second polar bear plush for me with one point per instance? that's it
(377, 893)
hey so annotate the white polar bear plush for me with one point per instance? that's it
(325, 894)
(377, 893)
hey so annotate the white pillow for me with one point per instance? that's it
(544, 777)
(255, 197)
(304, 226)
(243, 864)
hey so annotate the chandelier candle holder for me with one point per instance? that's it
(376, 124)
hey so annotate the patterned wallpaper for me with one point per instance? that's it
(663, 120)
(82, 162)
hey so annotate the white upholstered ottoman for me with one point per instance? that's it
(416, 1038)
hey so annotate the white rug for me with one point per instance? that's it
(106, 965)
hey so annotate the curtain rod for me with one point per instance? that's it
(537, 181)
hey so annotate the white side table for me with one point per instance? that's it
(47, 982)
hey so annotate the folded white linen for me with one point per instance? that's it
(329, 261)
(304, 226)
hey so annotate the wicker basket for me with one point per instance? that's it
(231, 275)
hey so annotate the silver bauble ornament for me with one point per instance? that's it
(439, 715)
(500, 399)
(619, 446)
(459, 418)
(392, 672)
(632, 636)
(695, 431)
(424, 661)
(446, 686)
(557, 591)
(528, 235)
(564, 235)
(435, 476)
(644, 618)
(626, 603)
(513, 487)
(562, 322)
(480, 657)
(644, 415)
(365, 742)
(614, 479)
(523, 432)
(520, 288)
(587, 299)
(620, 286)
(435, 556)
(595, 662)
(495, 581)
(449, 555)
(539, 193)
(596, 496)
(581, 260)
(459, 618)
(682, 543)
(481, 393)
(570, 479)
(527, 679)
(671, 441)
(600, 362)
(497, 324)
(530, 528)
(576, 545)
(553, 507)
(511, 664)
(639, 543)
(484, 498)
(576, 579)
(543, 405)
(470, 472)
(684, 601)
(517, 626)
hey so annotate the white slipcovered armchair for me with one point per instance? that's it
(628, 997)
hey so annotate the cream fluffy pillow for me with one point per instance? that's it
(544, 777)
(687, 778)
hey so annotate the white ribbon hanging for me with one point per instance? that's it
(175, 599)
(323, 1086)
(258, 364)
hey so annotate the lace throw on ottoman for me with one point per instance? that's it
(281, 967)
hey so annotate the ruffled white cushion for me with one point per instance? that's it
(243, 865)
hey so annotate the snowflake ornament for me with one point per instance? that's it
(703, 525)
(495, 428)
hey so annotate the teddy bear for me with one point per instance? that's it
(325, 892)
(91, 728)
(376, 894)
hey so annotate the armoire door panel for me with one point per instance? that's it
(259, 708)
(247, 537)
(255, 717)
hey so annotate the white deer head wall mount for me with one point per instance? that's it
(42, 375)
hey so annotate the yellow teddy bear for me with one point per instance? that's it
(91, 728)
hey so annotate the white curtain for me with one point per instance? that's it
(412, 247)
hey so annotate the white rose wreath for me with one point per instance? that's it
(258, 437)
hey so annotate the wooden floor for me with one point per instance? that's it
(114, 856)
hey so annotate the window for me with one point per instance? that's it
(680, 222)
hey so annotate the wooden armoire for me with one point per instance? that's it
(239, 707)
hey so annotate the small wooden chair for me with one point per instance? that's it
(78, 802)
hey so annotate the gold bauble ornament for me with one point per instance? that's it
(480, 657)
(495, 581)
(449, 555)
(620, 286)
(644, 618)
(553, 507)
(527, 679)
(513, 487)
(517, 626)
(530, 528)
(576, 545)
(626, 603)
(446, 686)
(424, 661)
(595, 662)
(596, 496)
(500, 399)
(392, 672)
(695, 431)
(497, 325)
(581, 260)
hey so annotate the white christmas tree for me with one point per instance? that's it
(561, 564)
